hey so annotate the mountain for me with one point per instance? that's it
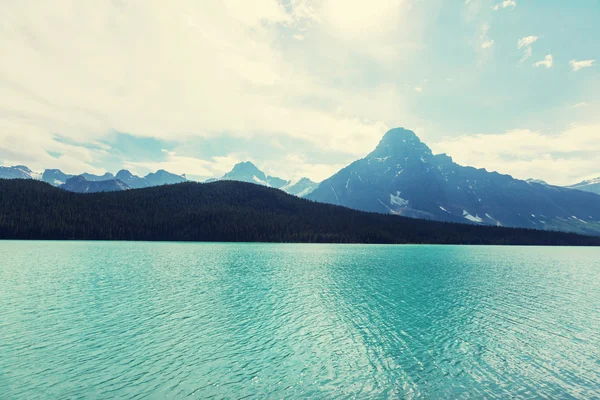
(97, 178)
(592, 185)
(402, 176)
(248, 172)
(18, 172)
(55, 177)
(79, 184)
(133, 181)
(540, 181)
(162, 177)
(228, 211)
(300, 188)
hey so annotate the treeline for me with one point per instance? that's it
(228, 211)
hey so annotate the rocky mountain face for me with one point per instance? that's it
(162, 177)
(123, 180)
(55, 177)
(402, 176)
(133, 181)
(97, 178)
(80, 184)
(248, 172)
(300, 188)
(592, 185)
(17, 172)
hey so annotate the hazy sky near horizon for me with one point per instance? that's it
(299, 87)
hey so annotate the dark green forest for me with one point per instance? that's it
(228, 211)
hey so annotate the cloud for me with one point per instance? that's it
(293, 166)
(419, 89)
(526, 43)
(505, 4)
(191, 166)
(39, 149)
(577, 65)
(487, 44)
(579, 105)
(187, 69)
(561, 159)
(546, 62)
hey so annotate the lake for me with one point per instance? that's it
(125, 320)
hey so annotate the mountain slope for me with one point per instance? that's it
(300, 188)
(162, 177)
(402, 176)
(592, 186)
(18, 172)
(227, 211)
(248, 172)
(79, 184)
(97, 178)
(55, 177)
(133, 181)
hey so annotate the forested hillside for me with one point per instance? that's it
(228, 211)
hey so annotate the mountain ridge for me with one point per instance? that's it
(248, 172)
(402, 176)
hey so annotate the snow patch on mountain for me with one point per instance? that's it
(471, 218)
(397, 200)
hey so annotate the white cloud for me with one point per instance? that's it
(298, 37)
(20, 144)
(505, 4)
(577, 65)
(419, 89)
(191, 166)
(560, 159)
(546, 62)
(487, 44)
(294, 166)
(361, 18)
(579, 105)
(182, 69)
(526, 43)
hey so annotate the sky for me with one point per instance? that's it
(299, 87)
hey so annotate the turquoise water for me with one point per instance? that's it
(160, 320)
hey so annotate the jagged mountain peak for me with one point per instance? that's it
(91, 177)
(23, 168)
(247, 172)
(246, 167)
(400, 134)
(400, 142)
(123, 174)
(590, 185)
(402, 176)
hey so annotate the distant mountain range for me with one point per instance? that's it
(592, 185)
(229, 211)
(80, 184)
(89, 183)
(403, 177)
(18, 172)
(124, 179)
(248, 172)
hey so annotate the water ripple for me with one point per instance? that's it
(158, 320)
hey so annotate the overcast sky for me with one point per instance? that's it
(300, 87)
